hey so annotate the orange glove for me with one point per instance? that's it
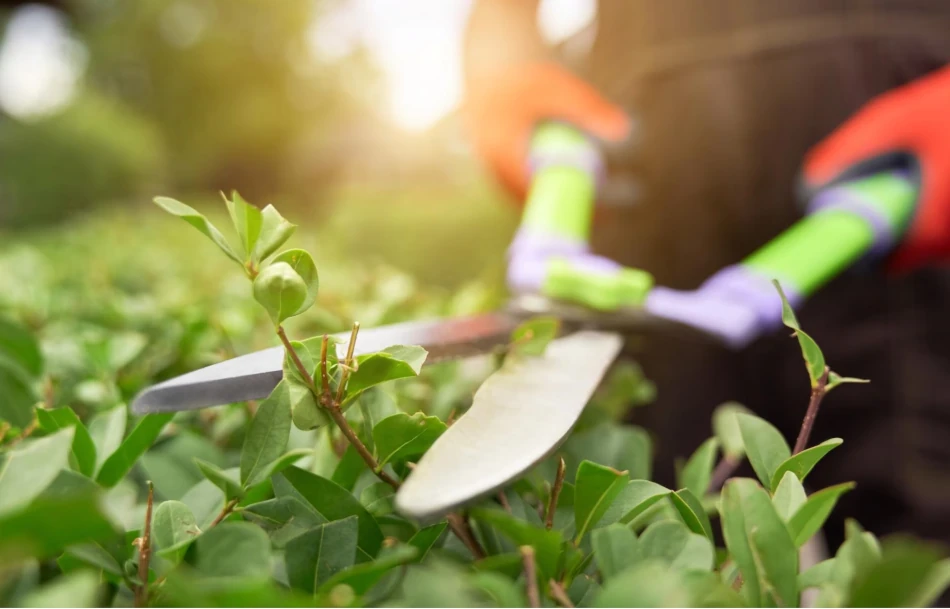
(503, 110)
(909, 126)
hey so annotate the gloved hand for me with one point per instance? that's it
(502, 112)
(911, 123)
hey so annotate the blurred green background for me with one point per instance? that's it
(107, 103)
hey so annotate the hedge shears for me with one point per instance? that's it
(525, 410)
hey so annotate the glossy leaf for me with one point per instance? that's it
(803, 462)
(789, 496)
(726, 427)
(650, 583)
(835, 379)
(391, 363)
(229, 485)
(246, 219)
(302, 263)
(83, 449)
(855, 557)
(378, 499)
(107, 430)
(31, 467)
(615, 548)
(634, 499)
(691, 510)
(143, 435)
(546, 544)
(275, 231)
(204, 226)
(674, 544)
(319, 554)
(814, 359)
(173, 529)
(809, 518)
(697, 472)
(764, 446)
(425, 539)
(281, 291)
(595, 488)
(533, 336)
(759, 543)
(334, 503)
(304, 411)
(622, 447)
(233, 549)
(349, 469)
(362, 577)
(817, 575)
(401, 436)
(267, 437)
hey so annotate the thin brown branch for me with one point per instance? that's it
(145, 550)
(225, 512)
(324, 375)
(459, 526)
(338, 417)
(817, 394)
(530, 576)
(503, 500)
(555, 493)
(724, 470)
(559, 595)
(347, 363)
(293, 356)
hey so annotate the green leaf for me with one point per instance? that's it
(759, 543)
(674, 544)
(41, 530)
(502, 591)
(809, 518)
(933, 586)
(401, 436)
(726, 428)
(304, 411)
(426, 538)
(246, 219)
(173, 529)
(349, 468)
(817, 575)
(286, 518)
(532, 337)
(83, 449)
(615, 549)
(31, 467)
(635, 498)
(622, 447)
(204, 226)
(275, 231)
(233, 549)
(789, 496)
(650, 583)
(814, 359)
(362, 577)
(107, 430)
(77, 589)
(281, 291)
(692, 512)
(302, 263)
(855, 557)
(764, 445)
(18, 393)
(901, 578)
(20, 347)
(335, 503)
(803, 462)
(391, 363)
(697, 472)
(834, 379)
(229, 485)
(143, 435)
(267, 437)
(321, 553)
(595, 488)
(546, 544)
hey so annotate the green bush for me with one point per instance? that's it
(272, 504)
